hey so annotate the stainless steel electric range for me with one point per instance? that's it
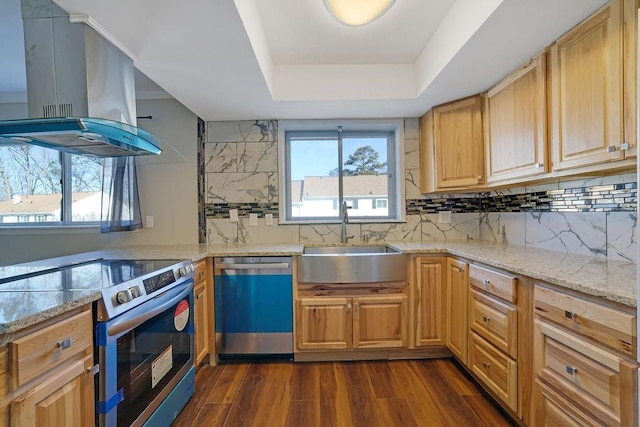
(143, 334)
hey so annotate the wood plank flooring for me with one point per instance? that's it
(373, 393)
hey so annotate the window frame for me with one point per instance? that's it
(66, 202)
(314, 128)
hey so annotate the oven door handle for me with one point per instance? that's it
(134, 318)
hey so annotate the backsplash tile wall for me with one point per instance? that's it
(594, 216)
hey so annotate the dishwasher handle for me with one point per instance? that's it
(260, 266)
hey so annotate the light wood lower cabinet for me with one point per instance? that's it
(46, 373)
(200, 320)
(581, 372)
(203, 310)
(334, 323)
(430, 290)
(457, 296)
(63, 399)
(324, 323)
(497, 371)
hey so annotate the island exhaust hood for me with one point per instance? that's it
(80, 90)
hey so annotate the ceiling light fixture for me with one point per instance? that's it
(357, 12)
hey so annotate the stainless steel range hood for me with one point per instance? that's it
(80, 90)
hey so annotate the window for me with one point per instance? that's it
(47, 187)
(324, 167)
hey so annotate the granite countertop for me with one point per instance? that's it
(611, 280)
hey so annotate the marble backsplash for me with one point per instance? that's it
(241, 172)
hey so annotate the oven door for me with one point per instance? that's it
(144, 353)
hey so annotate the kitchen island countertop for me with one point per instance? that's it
(612, 280)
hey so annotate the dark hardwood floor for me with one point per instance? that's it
(373, 393)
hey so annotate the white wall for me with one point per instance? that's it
(168, 191)
(13, 111)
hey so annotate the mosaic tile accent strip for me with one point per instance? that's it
(453, 204)
(602, 198)
(221, 210)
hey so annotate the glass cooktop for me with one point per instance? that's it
(96, 275)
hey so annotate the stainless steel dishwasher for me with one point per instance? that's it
(253, 306)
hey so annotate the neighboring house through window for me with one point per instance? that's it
(41, 186)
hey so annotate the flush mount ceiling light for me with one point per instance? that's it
(357, 12)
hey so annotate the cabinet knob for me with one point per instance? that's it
(538, 165)
(64, 344)
(486, 365)
(460, 270)
(612, 149)
(570, 315)
(486, 282)
(625, 146)
(486, 318)
(348, 306)
(571, 370)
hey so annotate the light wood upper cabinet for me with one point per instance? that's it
(457, 297)
(430, 307)
(452, 146)
(516, 124)
(593, 91)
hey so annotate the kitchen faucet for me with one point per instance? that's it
(344, 237)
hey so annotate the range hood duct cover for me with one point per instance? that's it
(80, 89)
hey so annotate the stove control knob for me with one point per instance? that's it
(124, 297)
(135, 292)
(183, 271)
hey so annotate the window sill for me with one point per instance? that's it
(28, 230)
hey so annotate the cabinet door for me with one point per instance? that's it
(459, 143)
(552, 409)
(201, 311)
(457, 295)
(587, 91)
(323, 323)
(430, 298)
(630, 63)
(596, 380)
(516, 125)
(380, 322)
(64, 399)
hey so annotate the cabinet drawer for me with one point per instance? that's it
(554, 410)
(492, 282)
(494, 321)
(593, 378)
(200, 272)
(497, 371)
(611, 327)
(44, 350)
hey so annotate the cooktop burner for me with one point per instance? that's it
(97, 275)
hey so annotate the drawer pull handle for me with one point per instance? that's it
(570, 315)
(486, 318)
(571, 370)
(64, 344)
(486, 364)
(486, 282)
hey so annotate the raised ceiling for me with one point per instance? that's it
(288, 59)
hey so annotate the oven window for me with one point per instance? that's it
(151, 355)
